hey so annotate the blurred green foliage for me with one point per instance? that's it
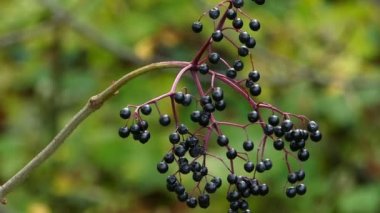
(318, 58)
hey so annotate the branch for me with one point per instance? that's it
(91, 106)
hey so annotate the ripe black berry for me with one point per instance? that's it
(312, 126)
(251, 42)
(210, 187)
(300, 175)
(179, 97)
(243, 37)
(197, 176)
(182, 129)
(254, 24)
(316, 136)
(273, 120)
(301, 189)
(204, 200)
(184, 168)
(238, 65)
(220, 105)
(191, 202)
(248, 145)
(180, 151)
(213, 57)
(209, 107)
(268, 164)
(187, 100)
(197, 27)
(183, 197)
(243, 51)
(217, 94)
(195, 116)
(217, 36)
(260, 167)
(253, 116)
(249, 166)
(162, 167)
(254, 76)
(135, 129)
(238, 3)
(164, 120)
(278, 131)
(124, 132)
(146, 109)
(278, 144)
(231, 178)
(231, 73)
(233, 196)
(231, 154)
(214, 13)
(291, 192)
(144, 136)
(222, 140)
(125, 113)
(231, 14)
(143, 125)
(237, 23)
(203, 68)
(169, 157)
(287, 125)
(179, 189)
(174, 138)
(217, 181)
(205, 100)
(268, 129)
(259, 2)
(292, 177)
(303, 154)
(255, 90)
(263, 189)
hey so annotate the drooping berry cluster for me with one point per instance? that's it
(190, 148)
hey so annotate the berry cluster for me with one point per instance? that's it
(190, 148)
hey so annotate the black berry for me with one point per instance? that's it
(291, 192)
(254, 76)
(231, 73)
(301, 189)
(146, 109)
(197, 27)
(238, 65)
(164, 120)
(253, 116)
(243, 51)
(222, 140)
(278, 144)
(124, 132)
(249, 166)
(203, 68)
(254, 24)
(214, 13)
(237, 23)
(231, 14)
(217, 36)
(213, 58)
(231, 154)
(255, 90)
(303, 154)
(125, 113)
(248, 145)
(162, 167)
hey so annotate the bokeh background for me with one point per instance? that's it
(318, 58)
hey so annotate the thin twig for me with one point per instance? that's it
(91, 106)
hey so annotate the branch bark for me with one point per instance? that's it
(93, 104)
